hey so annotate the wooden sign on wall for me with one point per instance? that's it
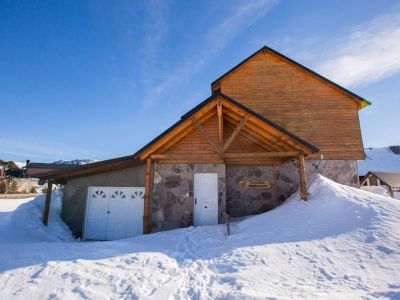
(265, 184)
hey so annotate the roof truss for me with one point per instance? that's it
(233, 115)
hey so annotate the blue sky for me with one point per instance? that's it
(99, 79)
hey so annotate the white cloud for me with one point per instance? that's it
(369, 53)
(215, 40)
(156, 28)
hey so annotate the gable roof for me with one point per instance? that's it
(363, 101)
(391, 179)
(207, 101)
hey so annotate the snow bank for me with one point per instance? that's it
(25, 223)
(376, 190)
(343, 243)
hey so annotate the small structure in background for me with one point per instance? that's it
(2, 171)
(386, 180)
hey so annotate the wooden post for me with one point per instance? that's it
(146, 214)
(234, 133)
(391, 192)
(275, 183)
(47, 203)
(220, 124)
(303, 180)
(227, 221)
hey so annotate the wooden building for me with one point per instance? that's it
(268, 124)
(387, 180)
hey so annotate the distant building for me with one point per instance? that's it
(2, 171)
(389, 181)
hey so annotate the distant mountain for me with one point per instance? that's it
(385, 159)
(84, 161)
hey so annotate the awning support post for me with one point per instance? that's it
(146, 215)
(303, 180)
(47, 203)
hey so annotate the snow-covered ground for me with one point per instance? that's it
(341, 244)
(379, 160)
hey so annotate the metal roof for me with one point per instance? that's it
(391, 179)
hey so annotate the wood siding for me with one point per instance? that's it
(299, 102)
(195, 143)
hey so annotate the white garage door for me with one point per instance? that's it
(113, 213)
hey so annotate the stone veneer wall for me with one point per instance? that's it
(248, 201)
(341, 171)
(172, 197)
(242, 202)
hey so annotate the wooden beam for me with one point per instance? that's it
(178, 129)
(303, 180)
(220, 123)
(234, 133)
(204, 118)
(147, 193)
(46, 210)
(179, 156)
(269, 138)
(261, 154)
(273, 131)
(275, 183)
(251, 137)
(206, 136)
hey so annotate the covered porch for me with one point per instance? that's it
(222, 132)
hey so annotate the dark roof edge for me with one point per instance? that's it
(84, 167)
(297, 64)
(50, 165)
(208, 100)
(182, 119)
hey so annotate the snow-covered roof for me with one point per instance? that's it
(379, 160)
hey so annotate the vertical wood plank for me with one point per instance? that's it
(220, 124)
(47, 203)
(146, 215)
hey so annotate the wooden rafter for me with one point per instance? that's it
(235, 133)
(260, 124)
(266, 138)
(266, 135)
(252, 137)
(204, 118)
(167, 137)
(206, 136)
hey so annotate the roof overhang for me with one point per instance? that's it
(62, 176)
